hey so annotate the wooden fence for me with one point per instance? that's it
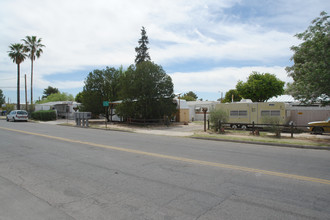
(288, 128)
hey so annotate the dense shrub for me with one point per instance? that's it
(217, 115)
(44, 115)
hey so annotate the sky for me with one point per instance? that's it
(206, 46)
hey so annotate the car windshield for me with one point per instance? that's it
(21, 112)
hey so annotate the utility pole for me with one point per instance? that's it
(26, 103)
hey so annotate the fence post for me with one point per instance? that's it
(253, 128)
(208, 124)
(292, 130)
(278, 130)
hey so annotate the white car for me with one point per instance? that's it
(17, 115)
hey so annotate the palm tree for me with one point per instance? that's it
(18, 55)
(34, 47)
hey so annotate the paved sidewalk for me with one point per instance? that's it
(177, 130)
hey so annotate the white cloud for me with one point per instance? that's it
(60, 84)
(221, 79)
(101, 32)
(84, 33)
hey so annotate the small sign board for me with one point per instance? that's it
(105, 103)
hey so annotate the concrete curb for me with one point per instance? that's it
(265, 143)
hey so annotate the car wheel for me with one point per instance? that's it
(318, 130)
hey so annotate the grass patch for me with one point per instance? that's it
(263, 138)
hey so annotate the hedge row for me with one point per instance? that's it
(44, 115)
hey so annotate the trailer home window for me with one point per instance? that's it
(242, 113)
(270, 113)
(265, 113)
(275, 113)
(238, 113)
(233, 113)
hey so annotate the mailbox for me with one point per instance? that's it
(81, 118)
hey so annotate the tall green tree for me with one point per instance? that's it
(147, 92)
(142, 49)
(34, 47)
(232, 95)
(2, 98)
(101, 85)
(79, 97)
(260, 87)
(311, 68)
(17, 54)
(189, 96)
(54, 97)
(49, 90)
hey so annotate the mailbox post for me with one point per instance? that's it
(204, 109)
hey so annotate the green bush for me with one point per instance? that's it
(273, 125)
(216, 115)
(9, 108)
(44, 115)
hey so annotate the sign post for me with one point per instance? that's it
(106, 105)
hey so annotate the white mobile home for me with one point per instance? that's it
(64, 109)
(303, 114)
(247, 112)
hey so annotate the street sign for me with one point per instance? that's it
(105, 103)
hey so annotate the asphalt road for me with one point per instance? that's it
(58, 172)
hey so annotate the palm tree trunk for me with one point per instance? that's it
(18, 87)
(31, 81)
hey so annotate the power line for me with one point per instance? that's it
(9, 78)
(11, 87)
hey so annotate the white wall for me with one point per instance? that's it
(199, 115)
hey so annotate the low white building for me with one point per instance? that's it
(195, 109)
(64, 109)
(182, 114)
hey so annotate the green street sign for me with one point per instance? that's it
(105, 103)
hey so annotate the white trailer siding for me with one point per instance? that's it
(247, 113)
(302, 115)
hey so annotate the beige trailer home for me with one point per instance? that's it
(245, 112)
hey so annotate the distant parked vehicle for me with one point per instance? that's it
(17, 115)
(319, 127)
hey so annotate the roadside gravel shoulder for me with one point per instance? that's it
(195, 130)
